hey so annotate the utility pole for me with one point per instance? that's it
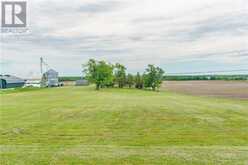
(41, 63)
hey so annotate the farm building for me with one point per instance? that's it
(50, 78)
(81, 82)
(32, 83)
(8, 81)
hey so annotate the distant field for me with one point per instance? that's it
(229, 89)
(78, 125)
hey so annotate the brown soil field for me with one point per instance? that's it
(229, 89)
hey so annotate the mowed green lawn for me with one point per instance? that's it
(78, 125)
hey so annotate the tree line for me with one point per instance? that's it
(179, 77)
(104, 75)
(205, 77)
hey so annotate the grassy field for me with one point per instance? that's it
(78, 125)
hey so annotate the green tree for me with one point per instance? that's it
(99, 72)
(138, 81)
(130, 80)
(120, 75)
(153, 77)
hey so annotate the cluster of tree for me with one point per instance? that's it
(105, 74)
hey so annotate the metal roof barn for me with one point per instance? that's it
(81, 83)
(9, 81)
(50, 78)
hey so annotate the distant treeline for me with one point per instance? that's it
(205, 77)
(179, 78)
(69, 78)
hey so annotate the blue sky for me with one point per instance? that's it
(179, 36)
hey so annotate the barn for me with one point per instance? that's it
(9, 81)
(81, 82)
(50, 78)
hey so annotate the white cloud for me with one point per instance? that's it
(67, 33)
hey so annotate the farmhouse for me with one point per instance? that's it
(9, 81)
(50, 78)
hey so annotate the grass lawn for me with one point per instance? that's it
(78, 125)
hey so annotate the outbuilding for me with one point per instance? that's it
(81, 82)
(9, 81)
(50, 78)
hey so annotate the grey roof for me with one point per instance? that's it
(11, 79)
(82, 82)
(50, 71)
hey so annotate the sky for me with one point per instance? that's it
(179, 36)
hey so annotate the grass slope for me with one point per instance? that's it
(78, 125)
